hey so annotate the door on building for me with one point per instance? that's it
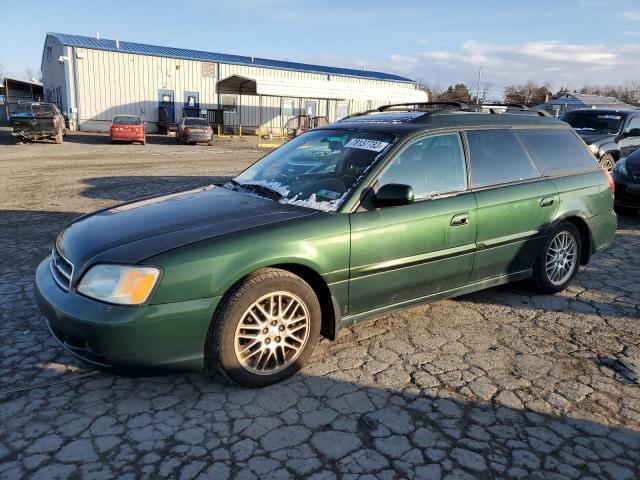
(191, 106)
(165, 102)
(310, 108)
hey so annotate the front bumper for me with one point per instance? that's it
(170, 335)
(627, 192)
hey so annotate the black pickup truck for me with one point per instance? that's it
(37, 120)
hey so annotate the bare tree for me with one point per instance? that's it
(32, 75)
(432, 87)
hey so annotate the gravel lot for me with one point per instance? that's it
(498, 384)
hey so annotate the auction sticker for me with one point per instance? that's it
(365, 144)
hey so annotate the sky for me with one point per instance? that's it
(564, 42)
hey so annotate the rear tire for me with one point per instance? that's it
(265, 329)
(559, 260)
(607, 162)
(58, 138)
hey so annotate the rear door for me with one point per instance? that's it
(515, 205)
(407, 252)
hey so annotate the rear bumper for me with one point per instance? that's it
(120, 137)
(199, 137)
(34, 135)
(171, 335)
(603, 228)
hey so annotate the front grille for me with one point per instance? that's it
(61, 269)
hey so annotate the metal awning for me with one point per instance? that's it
(327, 89)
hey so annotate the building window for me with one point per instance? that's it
(342, 110)
(228, 103)
(287, 107)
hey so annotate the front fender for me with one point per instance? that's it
(210, 267)
(608, 147)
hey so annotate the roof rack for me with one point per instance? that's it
(519, 106)
(512, 108)
(443, 107)
(439, 107)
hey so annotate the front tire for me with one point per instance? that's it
(559, 259)
(265, 329)
(607, 162)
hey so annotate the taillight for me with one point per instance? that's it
(209, 130)
(612, 184)
(187, 130)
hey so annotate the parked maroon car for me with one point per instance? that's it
(128, 128)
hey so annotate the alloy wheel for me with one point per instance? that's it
(272, 333)
(561, 258)
(607, 163)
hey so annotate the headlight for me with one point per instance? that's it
(119, 284)
(621, 167)
(594, 148)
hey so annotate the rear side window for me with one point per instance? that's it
(556, 152)
(497, 157)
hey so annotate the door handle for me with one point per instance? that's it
(546, 202)
(460, 219)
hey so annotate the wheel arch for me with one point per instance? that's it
(330, 322)
(585, 236)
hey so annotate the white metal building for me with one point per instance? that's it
(94, 79)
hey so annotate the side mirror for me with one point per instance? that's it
(393, 194)
(634, 132)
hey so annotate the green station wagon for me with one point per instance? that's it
(375, 213)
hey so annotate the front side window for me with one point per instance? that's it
(556, 152)
(432, 166)
(315, 170)
(634, 124)
(497, 157)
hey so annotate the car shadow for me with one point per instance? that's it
(95, 138)
(127, 188)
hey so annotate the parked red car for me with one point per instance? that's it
(128, 128)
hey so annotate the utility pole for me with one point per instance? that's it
(479, 80)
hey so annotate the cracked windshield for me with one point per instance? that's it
(315, 170)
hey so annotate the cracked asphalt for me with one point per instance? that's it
(498, 384)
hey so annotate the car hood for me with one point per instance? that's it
(132, 232)
(591, 137)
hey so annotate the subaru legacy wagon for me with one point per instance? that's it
(393, 208)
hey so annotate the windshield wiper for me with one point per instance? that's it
(260, 189)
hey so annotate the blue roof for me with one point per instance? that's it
(159, 51)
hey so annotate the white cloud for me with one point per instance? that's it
(549, 60)
(561, 64)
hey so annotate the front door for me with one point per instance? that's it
(631, 140)
(165, 101)
(515, 205)
(407, 252)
